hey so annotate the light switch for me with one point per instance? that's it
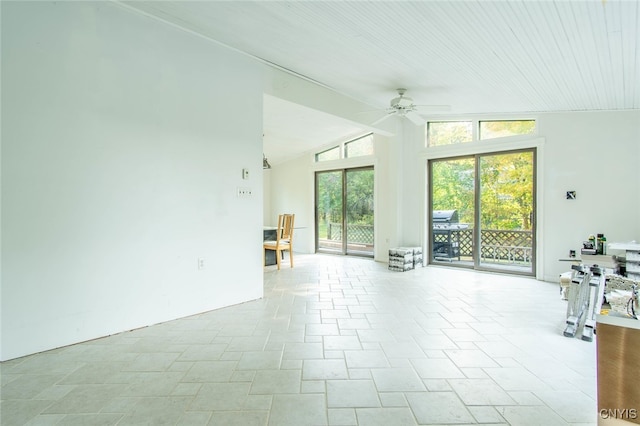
(244, 192)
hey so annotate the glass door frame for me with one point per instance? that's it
(476, 261)
(345, 240)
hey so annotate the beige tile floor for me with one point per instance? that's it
(334, 341)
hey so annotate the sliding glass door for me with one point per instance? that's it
(482, 211)
(344, 211)
(453, 189)
(358, 196)
(329, 209)
(506, 211)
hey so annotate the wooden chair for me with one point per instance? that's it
(284, 239)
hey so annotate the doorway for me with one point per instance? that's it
(344, 211)
(482, 211)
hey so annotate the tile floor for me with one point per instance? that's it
(335, 341)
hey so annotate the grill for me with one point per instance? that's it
(446, 241)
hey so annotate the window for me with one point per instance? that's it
(441, 133)
(329, 154)
(502, 128)
(449, 132)
(359, 147)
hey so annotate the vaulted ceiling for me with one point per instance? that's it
(476, 56)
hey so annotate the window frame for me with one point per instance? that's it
(512, 120)
(358, 139)
(476, 130)
(428, 125)
(318, 154)
(342, 147)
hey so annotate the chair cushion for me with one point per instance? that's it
(274, 243)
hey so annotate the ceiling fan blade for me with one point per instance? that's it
(415, 118)
(380, 120)
(433, 108)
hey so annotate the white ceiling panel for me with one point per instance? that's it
(477, 56)
(291, 130)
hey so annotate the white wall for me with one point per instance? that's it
(268, 219)
(597, 154)
(413, 194)
(121, 152)
(388, 191)
(292, 192)
(1, 186)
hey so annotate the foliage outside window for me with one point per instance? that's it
(506, 191)
(357, 201)
(359, 147)
(329, 154)
(503, 128)
(453, 187)
(449, 132)
(359, 197)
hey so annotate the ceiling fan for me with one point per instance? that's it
(403, 106)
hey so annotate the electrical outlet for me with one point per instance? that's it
(244, 192)
(245, 173)
(201, 263)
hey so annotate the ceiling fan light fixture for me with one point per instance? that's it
(403, 106)
(401, 101)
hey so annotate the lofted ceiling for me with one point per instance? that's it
(291, 129)
(478, 57)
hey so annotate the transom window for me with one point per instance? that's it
(358, 147)
(502, 128)
(454, 132)
(329, 154)
(449, 132)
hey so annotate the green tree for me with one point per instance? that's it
(449, 132)
(329, 199)
(453, 183)
(506, 182)
(360, 197)
(502, 128)
(507, 191)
